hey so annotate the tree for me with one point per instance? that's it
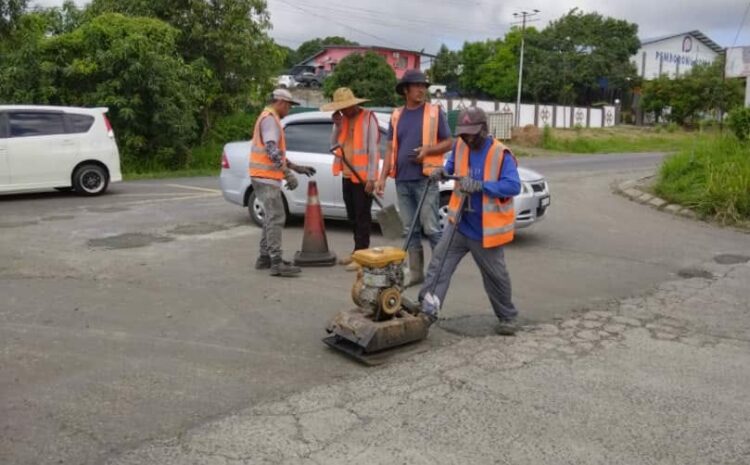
(585, 53)
(473, 57)
(446, 67)
(308, 48)
(227, 39)
(10, 12)
(368, 76)
(498, 75)
(657, 95)
(130, 65)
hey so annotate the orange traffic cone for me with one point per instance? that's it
(314, 243)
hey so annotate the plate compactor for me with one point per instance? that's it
(383, 318)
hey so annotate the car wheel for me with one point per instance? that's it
(90, 180)
(438, 94)
(257, 212)
(314, 85)
(445, 199)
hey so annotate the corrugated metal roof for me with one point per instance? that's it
(696, 33)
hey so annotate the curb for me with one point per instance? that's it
(632, 190)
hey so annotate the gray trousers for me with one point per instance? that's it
(273, 220)
(491, 263)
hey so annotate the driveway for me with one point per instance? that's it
(137, 315)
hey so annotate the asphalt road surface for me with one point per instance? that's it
(136, 315)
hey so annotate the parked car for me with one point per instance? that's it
(437, 90)
(45, 147)
(308, 138)
(286, 81)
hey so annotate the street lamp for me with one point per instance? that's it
(523, 15)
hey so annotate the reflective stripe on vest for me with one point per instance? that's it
(261, 165)
(430, 121)
(498, 217)
(359, 158)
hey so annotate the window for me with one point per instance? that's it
(309, 137)
(28, 124)
(79, 123)
(402, 62)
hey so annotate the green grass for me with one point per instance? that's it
(712, 177)
(621, 139)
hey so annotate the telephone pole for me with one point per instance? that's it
(524, 15)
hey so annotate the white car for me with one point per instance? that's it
(47, 147)
(308, 139)
(286, 81)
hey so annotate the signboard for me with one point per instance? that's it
(738, 62)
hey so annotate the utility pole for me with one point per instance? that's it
(524, 15)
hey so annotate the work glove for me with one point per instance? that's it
(302, 169)
(468, 185)
(291, 180)
(438, 174)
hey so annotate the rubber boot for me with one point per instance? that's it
(282, 268)
(416, 267)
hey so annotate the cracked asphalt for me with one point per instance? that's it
(131, 321)
(653, 379)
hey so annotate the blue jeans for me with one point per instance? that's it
(428, 224)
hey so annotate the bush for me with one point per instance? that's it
(739, 122)
(713, 178)
(672, 127)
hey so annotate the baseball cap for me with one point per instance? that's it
(470, 121)
(285, 95)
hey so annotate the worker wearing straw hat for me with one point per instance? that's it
(356, 131)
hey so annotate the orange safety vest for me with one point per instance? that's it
(429, 137)
(498, 216)
(261, 165)
(360, 158)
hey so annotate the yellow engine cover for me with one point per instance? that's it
(379, 257)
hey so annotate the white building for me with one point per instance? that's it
(675, 54)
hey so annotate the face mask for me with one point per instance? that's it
(473, 141)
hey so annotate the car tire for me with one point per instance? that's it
(438, 94)
(90, 180)
(314, 85)
(255, 209)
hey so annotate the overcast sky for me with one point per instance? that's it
(425, 24)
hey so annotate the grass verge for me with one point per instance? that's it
(620, 139)
(712, 178)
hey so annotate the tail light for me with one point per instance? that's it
(224, 161)
(110, 132)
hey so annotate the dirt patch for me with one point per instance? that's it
(128, 241)
(197, 229)
(689, 273)
(528, 136)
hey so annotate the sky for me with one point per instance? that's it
(426, 24)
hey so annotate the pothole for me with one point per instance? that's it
(197, 229)
(18, 224)
(689, 273)
(128, 241)
(731, 259)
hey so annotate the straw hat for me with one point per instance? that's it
(343, 97)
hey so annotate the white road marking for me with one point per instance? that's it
(204, 189)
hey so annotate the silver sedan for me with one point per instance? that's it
(308, 138)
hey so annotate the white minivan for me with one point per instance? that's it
(45, 147)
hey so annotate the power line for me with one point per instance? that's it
(742, 24)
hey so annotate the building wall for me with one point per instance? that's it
(672, 57)
(400, 61)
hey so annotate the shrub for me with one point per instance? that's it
(739, 122)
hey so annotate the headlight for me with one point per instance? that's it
(525, 188)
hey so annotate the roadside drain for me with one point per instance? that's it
(128, 241)
(731, 259)
(197, 229)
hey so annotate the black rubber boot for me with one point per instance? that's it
(284, 269)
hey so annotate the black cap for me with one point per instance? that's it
(411, 76)
(470, 121)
